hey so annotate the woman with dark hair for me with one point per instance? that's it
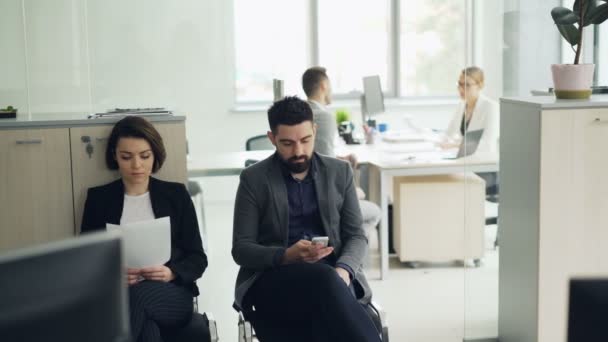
(160, 296)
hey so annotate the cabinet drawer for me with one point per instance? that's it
(36, 199)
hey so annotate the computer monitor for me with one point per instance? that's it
(71, 290)
(588, 310)
(372, 101)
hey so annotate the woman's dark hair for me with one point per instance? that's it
(289, 111)
(135, 127)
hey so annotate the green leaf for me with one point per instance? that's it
(599, 14)
(570, 34)
(590, 6)
(563, 16)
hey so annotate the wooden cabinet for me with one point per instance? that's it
(45, 174)
(36, 192)
(553, 211)
(419, 234)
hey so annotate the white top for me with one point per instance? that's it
(137, 208)
(327, 129)
(486, 117)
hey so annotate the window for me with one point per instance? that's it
(432, 46)
(353, 44)
(415, 46)
(269, 46)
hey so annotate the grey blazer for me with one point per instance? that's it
(261, 215)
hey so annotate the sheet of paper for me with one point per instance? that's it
(146, 243)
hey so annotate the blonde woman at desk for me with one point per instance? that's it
(475, 112)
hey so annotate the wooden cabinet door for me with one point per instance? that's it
(573, 209)
(89, 169)
(35, 187)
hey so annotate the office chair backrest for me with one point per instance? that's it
(258, 142)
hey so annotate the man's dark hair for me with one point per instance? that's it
(312, 78)
(289, 111)
(135, 127)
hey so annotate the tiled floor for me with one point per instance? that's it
(438, 302)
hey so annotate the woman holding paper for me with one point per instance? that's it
(475, 112)
(160, 296)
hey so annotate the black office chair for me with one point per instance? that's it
(257, 143)
(247, 334)
(201, 328)
(492, 195)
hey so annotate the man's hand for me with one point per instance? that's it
(158, 273)
(304, 250)
(133, 275)
(344, 275)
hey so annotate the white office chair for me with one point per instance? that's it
(196, 193)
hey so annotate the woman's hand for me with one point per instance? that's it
(448, 145)
(133, 276)
(158, 273)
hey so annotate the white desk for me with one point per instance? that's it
(225, 164)
(385, 164)
(385, 172)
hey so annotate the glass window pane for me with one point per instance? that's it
(433, 48)
(271, 42)
(353, 43)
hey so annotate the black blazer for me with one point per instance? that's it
(188, 261)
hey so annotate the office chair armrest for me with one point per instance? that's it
(245, 329)
(214, 337)
(380, 312)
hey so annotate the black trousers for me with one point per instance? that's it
(155, 305)
(307, 302)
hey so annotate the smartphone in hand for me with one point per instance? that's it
(323, 241)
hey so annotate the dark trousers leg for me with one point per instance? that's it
(307, 302)
(156, 305)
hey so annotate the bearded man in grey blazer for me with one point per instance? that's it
(290, 288)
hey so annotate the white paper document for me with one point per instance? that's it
(146, 243)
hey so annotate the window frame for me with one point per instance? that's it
(393, 93)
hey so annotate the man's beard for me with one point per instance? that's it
(297, 167)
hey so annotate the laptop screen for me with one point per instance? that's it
(469, 143)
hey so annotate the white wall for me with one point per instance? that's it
(13, 87)
(532, 44)
(99, 54)
(488, 46)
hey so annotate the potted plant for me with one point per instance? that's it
(8, 113)
(342, 115)
(573, 81)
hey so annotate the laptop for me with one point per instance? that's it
(468, 145)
